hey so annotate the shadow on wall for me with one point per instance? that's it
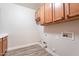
(72, 26)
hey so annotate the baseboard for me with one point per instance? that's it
(17, 47)
(54, 54)
(48, 50)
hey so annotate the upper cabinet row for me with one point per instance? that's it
(57, 12)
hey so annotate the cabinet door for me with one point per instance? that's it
(48, 13)
(0, 46)
(73, 10)
(37, 15)
(42, 19)
(58, 11)
(4, 45)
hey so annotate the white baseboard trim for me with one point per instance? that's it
(54, 54)
(48, 50)
(17, 47)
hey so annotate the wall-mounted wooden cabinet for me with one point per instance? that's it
(72, 10)
(41, 10)
(55, 12)
(39, 15)
(45, 14)
(48, 13)
(3, 45)
(58, 11)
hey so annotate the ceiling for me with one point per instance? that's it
(30, 5)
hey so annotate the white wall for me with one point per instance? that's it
(18, 22)
(62, 46)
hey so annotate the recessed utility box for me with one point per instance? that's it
(67, 35)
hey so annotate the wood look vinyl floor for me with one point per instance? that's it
(34, 50)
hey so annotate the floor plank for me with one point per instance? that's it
(34, 50)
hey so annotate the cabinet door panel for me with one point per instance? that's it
(73, 9)
(42, 14)
(0, 46)
(48, 13)
(4, 45)
(58, 11)
(37, 15)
